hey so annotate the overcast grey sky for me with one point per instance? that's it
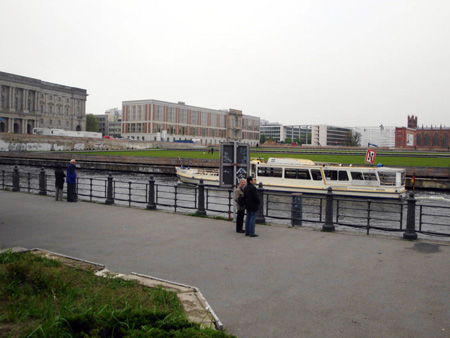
(341, 62)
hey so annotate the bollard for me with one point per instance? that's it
(109, 190)
(260, 219)
(16, 179)
(230, 205)
(151, 194)
(201, 198)
(329, 226)
(42, 182)
(296, 209)
(410, 232)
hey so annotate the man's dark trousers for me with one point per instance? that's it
(240, 220)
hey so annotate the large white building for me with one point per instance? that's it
(377, 136)
(324, 135)
(110, 123)
(314, 135)
(154, 120)
(27, 103)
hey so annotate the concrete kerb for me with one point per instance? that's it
(194, 303)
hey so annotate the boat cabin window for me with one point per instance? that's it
(343, 175)
(334, 175)
(357, 176)
(316, 174)
(370, 177)
(270, 172)
(387, 178)
(330, 175)
(364, 176)
(299, 174)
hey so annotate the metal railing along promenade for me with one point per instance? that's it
(328, 211)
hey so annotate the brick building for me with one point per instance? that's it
(422, 138)
(154, 120)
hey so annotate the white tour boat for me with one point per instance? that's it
(306, 176)
(194, 175)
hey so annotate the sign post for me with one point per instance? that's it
(370, 156)
(234, 163)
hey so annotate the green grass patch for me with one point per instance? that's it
(40, 297)
(407, 160)
(359, 159)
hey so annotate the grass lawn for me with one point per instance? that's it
(41, 297)
(409, 160)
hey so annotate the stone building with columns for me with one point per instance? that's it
(27, 103)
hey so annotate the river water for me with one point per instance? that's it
(435, 204)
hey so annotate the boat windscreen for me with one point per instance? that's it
(387, 178)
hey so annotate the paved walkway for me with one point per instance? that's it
(285, 283)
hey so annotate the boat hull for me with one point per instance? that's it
(190, 177)
(339, 191)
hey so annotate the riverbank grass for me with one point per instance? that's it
(338, 156)
(41, 297)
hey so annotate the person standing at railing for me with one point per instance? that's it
(71, 180)
(59, 183)
(240, 205)
(251, 205)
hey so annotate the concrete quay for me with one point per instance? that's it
(285, 283)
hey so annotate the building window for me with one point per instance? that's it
(435, 140)
(159, 113)
(194, 117)
(213, 120)
(204, 119)
(172, 114)
(183, 116)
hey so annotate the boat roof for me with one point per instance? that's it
(289, 161)
(296, 162)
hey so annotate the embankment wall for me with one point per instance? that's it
(21, 142)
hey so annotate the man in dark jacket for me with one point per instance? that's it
(251, 205)
(59, 183)
(71, 180)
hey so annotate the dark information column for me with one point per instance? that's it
(234, 163)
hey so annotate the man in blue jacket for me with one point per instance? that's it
(251, 205)
(71, 179)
